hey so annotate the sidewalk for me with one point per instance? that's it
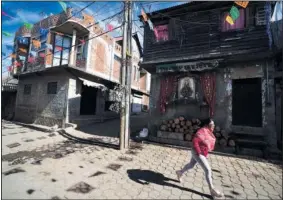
(70, 170)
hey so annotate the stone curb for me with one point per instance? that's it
(44, 128)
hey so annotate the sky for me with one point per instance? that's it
(34, 11)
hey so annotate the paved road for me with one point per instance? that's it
(111, 128)
(46, 166)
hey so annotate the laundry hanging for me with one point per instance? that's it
(23, 50)
(36, 44)
(63, 5)
(243, 4)
(6, 34)
(28, 25)
(277, 13)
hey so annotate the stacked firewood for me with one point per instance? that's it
(190, 127)
(181, 125)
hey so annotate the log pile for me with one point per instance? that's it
(181, 125)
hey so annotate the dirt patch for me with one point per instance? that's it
(97, 174)
(81, 187)
(13, 145)
(123, 158)
(114, 167)
(13, 171)
(30, 191)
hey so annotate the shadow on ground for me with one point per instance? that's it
(146, 177)
(97, 142)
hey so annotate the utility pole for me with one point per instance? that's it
(123, 78)
(129, 77)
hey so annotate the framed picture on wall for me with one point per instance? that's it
(187, 88)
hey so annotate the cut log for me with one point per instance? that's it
(176, 121)
(177, 130)
(194, 121)
(231, 143)
(187, 131)
(198, 122)
(173, 125)
(183, 123)
(188, 123)
(181, 118)
(163, 127)
(171, 121)
(223, 142)
(217, 129)
(178, 126)
(218, 135)
(181, 130)
(185, 127)
(188, 137)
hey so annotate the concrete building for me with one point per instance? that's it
(69, 70)
(192, 42)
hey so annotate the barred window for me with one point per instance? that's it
(52, 88)
(260, 16)
(27, 89)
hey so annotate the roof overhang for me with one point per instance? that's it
(68, 27)
(93, 84)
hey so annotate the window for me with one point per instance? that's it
(52, 88)
(27, 89)
(161, 33)
(238, 23)
(62, 50)
(260, 16)
(81, 48)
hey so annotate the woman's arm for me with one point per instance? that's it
(196, 142)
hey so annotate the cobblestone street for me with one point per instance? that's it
(39, 165)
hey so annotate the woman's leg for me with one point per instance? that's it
(189, 166)
(203, 162)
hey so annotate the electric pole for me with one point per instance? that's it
(129, 77)
(123, 78)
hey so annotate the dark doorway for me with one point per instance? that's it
(247, 102)
(88, 100)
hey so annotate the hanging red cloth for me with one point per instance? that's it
(167, 87)
(208, 83)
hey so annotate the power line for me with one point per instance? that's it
(64, 21)
(85, 40)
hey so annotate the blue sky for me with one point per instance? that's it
(33, 12)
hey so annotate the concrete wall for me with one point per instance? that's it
(40, 107)
(223, 107)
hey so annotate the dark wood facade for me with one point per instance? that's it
(195, 33)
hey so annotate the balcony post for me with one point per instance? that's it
(72, 54)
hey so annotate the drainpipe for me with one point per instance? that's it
(72, 54)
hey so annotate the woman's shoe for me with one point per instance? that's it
(179, 176)
(216, 193)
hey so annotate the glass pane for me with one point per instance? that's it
(58, 40)
(56, 61)
(85, 49)
(67, 42)
(57, 53)
(65, 54)
(64, 62)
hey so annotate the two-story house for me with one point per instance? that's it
(203, 66)
(67, 69)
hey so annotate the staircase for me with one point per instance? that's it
(252, 141)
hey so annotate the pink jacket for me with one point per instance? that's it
(204, 141)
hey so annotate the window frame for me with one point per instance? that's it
(49, 91)
(168, 33)
(27, 89)
(63, 48)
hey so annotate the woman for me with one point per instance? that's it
(203, 142)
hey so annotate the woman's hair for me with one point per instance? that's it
(206, 122)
